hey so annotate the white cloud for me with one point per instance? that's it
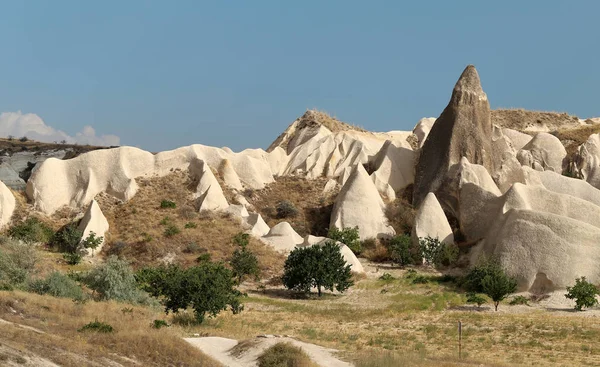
(32, 126)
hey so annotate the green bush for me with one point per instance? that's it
(171, 230)
(317, 266)
(497, 286)
(403, 251)
(437, 253)
(32, 230)
(208, 288)
(167, 204)
(519, 300)
(57, 284)
(285, 209)
(68, 239)
(284, 355)
(347, 236)
(157, 324)
(584, 293)
(387, 277)
(166, 220)
(475, 298)
(17, 263)
(91, 241)
(97, 326)
(243, 261)
(72, 258)
(472, 282)
(115, 280)
(190, 225)
(420, 279)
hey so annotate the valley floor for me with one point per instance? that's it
(376, 323)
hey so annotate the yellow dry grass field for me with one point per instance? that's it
(47, 327)
(397, 323)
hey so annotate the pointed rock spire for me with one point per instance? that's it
(464, 129)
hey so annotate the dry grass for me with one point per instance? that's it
(520, 119)
(56, 338)
(314, 207)
(573, 138)
(416, 324)
(137, 234)
(330, 122)
(8, 146)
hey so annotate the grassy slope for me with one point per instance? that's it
(56, 320)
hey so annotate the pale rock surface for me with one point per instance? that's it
(348, 255)
(393, 169)
(94, 221)
(588, 160)
(258, 227)
(75, 182)
(359, 204)
(209, 193)
(229, 176)
(544, 152)
(7, 204)
(422, 129)
(430, 221)
(464, 129)
(238, 211)
(282, 237)
(330, 187)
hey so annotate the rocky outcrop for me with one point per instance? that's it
(431, 221)
(422, 129)
(543, 153)
(282, 237)
(359, 204)
(94, 221)
(464, 129)
(587, 160)
(7, 204)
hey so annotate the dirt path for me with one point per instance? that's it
(220, 349)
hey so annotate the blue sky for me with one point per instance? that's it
(235, 73)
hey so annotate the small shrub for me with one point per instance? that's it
(204, 258)
(497, 286)
(92, 242)
(115, 280)
(146, 237)
(420, 279)
(477, 299)
(97, 326)
(347, 236)
(410, 273)
(72, 258)
(403, 251)
(17, 263)
(57, 284)
(317, 266)
(519, 300)
(165, 221)
(171, 230)
(437, 253)
(68, 239)
(243, 261)
(386, 277)
(584, 293)
(284, 355)
(24, 139)
(167, 204)
(190, 225)
(192, 247)
(472, 282)
(285, 209)
(32, 230)
(157, 324)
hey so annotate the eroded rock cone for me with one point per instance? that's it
(464, 129)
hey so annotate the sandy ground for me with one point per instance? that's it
(220, 350)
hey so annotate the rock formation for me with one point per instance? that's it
(431, 221)
(359, 204)
(94, 221)
(7, 204)
(464, 129)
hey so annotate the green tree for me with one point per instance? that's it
(243, 261)
(472, 281)
(208, 288)
(497, 286)
(92, 242)
(402, 250)
(347, 236)
(317, 266)
(476, 299)
(584, 293)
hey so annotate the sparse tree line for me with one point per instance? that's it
(209, 287)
